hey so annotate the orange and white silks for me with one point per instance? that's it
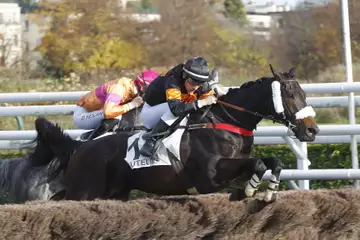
(109, 100)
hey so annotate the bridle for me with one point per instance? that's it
(283, 120)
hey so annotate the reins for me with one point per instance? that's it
(251, 112)
(203, 125)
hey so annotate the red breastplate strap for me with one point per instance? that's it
(231, 128)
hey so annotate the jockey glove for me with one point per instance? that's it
(206, 101)
(136, 102)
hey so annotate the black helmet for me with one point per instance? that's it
(197, 69)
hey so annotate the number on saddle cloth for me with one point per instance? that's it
(167, 149)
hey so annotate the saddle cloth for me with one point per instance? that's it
(167, 150)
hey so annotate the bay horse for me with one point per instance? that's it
(215, 147)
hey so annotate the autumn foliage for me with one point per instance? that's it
(96, 36)
(90, 36)
(312, 38)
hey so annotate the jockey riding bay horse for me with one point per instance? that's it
(201, 154)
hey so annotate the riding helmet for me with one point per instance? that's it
(197, 69)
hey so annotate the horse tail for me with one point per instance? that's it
(42, 154)
(61, 144)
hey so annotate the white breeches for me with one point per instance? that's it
(151, 115)
(88, 120)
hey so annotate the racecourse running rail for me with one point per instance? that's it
(263, 135)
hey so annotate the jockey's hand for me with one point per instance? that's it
(137, 102)
(206, 101)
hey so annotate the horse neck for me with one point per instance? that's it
(257, 98)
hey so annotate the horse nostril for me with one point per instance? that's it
(311, 131)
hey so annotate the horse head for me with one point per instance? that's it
(279, 98)
(289, 101)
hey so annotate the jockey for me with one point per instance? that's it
(110, 100)
(174, 94)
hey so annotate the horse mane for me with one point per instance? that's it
(43, 154)
(255, 82)
(248, 85)
(57, 131)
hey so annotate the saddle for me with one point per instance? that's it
(106, 125)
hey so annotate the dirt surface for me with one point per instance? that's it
(318, 214)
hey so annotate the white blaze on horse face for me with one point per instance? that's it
(276, 94)
(306, 112)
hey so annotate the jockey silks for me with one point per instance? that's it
(109, 100)
(113, 97)
(169, 87)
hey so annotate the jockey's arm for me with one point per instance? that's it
(112, 109)
(113, 106)
(205, 91)
(173, 97)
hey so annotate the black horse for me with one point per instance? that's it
(214, 148)
(27, 178)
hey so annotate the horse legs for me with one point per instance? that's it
(253, 184)
(254, 171)
(275, 165)
(123, 195)
(85, 180)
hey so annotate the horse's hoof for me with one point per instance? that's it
(273, 198)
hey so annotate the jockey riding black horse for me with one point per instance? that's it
(214, 148)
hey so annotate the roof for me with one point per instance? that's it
(8, 1)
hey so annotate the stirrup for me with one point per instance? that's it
(85, 136)
(95, 133)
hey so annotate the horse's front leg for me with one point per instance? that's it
(254, 171)
(259, 169)
(275, 165)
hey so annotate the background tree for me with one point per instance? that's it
(235, 10)
(310, 39)
(10, 46)
(191, 28)
(89, 37)
(146, 4)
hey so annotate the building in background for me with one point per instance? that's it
(263, 18)
(32, 34)
(10, 33)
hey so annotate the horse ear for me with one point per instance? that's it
(272, 70)
(276, 75)
(292, 71)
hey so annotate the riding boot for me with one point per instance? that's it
(149, 146)
(105, 126)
